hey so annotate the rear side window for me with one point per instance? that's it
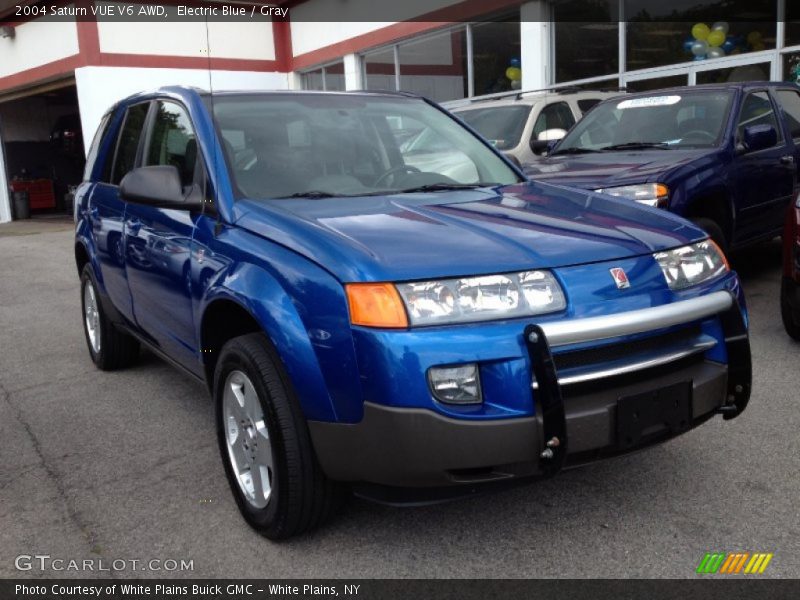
(99, 136)
(587, 103)
(790, 102)
(173, 141)
(128, 142)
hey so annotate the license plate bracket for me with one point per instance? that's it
(656, 413)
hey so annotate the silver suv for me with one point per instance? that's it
(522, 123)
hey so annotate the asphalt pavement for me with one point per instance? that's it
(124, 466)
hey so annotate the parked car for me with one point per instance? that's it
(522, 123)
(385, 326)
(722, 155)
(790, 284)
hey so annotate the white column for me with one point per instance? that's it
(536, 45)
(295, 80)
(352, 72)
(5, 197)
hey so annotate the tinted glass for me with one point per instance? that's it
(586, 38)
(173, 141)
(790, 103)
(502, 125)
(280, 145)
(757, 110)
(91, 158)
(689, 119)
(553, 116)
(128, 143)
(435, 66)
(496, 51)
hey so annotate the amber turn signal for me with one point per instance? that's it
(376, 305)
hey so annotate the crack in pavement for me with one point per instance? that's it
(72, 513)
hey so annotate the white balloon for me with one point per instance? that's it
(715, 53)
(721, 26)
(700, 48)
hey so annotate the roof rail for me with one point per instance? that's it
(387, 92)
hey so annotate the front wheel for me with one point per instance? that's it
(714, 231)
(790, 309)
(266, 449)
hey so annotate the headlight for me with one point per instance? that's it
(652, 194)
(690, 265)
(482, 298)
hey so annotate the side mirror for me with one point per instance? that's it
(159, 186)
(759, 137)
(547, 140)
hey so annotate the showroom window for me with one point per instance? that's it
(327, 78)
(752, 72)
(586, 39)
(463, 61)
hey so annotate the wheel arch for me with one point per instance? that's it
(714, 204)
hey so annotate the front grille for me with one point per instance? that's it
(626, 350)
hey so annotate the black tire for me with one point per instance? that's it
(302, 497)
(790, 311)
(714, 231)
(117, 349)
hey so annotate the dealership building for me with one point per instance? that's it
(58, 76)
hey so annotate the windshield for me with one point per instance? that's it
(501, 125)
(323, 145)
(663, 120)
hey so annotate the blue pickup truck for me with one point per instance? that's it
(724, 156)
(364, 322)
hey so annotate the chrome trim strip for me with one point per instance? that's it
(640, 365)
(561, 333)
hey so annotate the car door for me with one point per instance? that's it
(788, 100)
(106, 209)
(159, 240)
(763, 180)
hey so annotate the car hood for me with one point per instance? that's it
(466, 232)
(606, 169)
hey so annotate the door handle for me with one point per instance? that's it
(787, 160)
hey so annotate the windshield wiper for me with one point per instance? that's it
(574, 150)
(315, 194)
(635, 146)
(436, 187)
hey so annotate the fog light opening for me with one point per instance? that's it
(456, 384)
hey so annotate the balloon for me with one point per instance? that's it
(716, 53)
(753, 37)
(759, 46)
(700, 48)
(729, 44)
(514, 73)
(514, 62)
(516, 84)
(721, 26)
(700, 31)
(687, 44)
(716, 38)
(699, 57)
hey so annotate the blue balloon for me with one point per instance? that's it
(515, 62)
(729, 45)
(687, 44)
(701, 57)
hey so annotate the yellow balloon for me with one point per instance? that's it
(759, 46)
(700, 31)
(513, 73)
(753, 37)
(716, 38)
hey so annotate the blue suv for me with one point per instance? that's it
(365, 321)
(724, 156)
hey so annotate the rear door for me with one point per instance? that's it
(106, 209)
(763, 180)
(788, 100)
(159, 241)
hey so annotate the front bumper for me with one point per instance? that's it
(574, 416)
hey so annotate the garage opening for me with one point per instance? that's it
(43, 151)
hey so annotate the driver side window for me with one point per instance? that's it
(757, 110)
(173, 142)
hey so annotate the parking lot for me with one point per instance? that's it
(125, 466)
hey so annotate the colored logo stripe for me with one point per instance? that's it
(733, 562)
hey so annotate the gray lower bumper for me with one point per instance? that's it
(419, 448)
